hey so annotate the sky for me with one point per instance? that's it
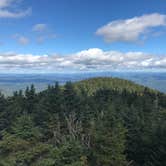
(82, 35)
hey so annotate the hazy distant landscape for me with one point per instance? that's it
(13, 82)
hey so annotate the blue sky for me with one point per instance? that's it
(79, 34)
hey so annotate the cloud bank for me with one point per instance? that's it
(8, 9)
(93, 59)
(131, 30)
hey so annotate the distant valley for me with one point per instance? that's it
(13, 82)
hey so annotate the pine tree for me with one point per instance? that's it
(109, 141)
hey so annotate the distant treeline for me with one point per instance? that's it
(96, 122)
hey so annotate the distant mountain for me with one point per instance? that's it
(12, 82)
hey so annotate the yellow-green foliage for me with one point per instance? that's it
(94, 84)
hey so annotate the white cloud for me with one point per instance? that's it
(6, 10)
(5, 3)
(40, 27)
(93, 59)
(42, 38)
(43, 33)
(9, 14)
(21, 39)
(130, 30)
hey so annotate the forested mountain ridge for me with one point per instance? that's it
(93, 84)
(95, 122)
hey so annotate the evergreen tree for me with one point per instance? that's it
(109, 141)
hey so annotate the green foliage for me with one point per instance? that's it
(69, 153)
(96, 122)
(109, 141)
(24, 128)
(95, 84)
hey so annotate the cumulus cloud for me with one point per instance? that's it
(131, 30)
(93, 59)
(7, 11)
(21, 39)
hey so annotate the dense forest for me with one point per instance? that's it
(95, 122)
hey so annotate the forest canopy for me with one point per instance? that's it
(95, 122)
